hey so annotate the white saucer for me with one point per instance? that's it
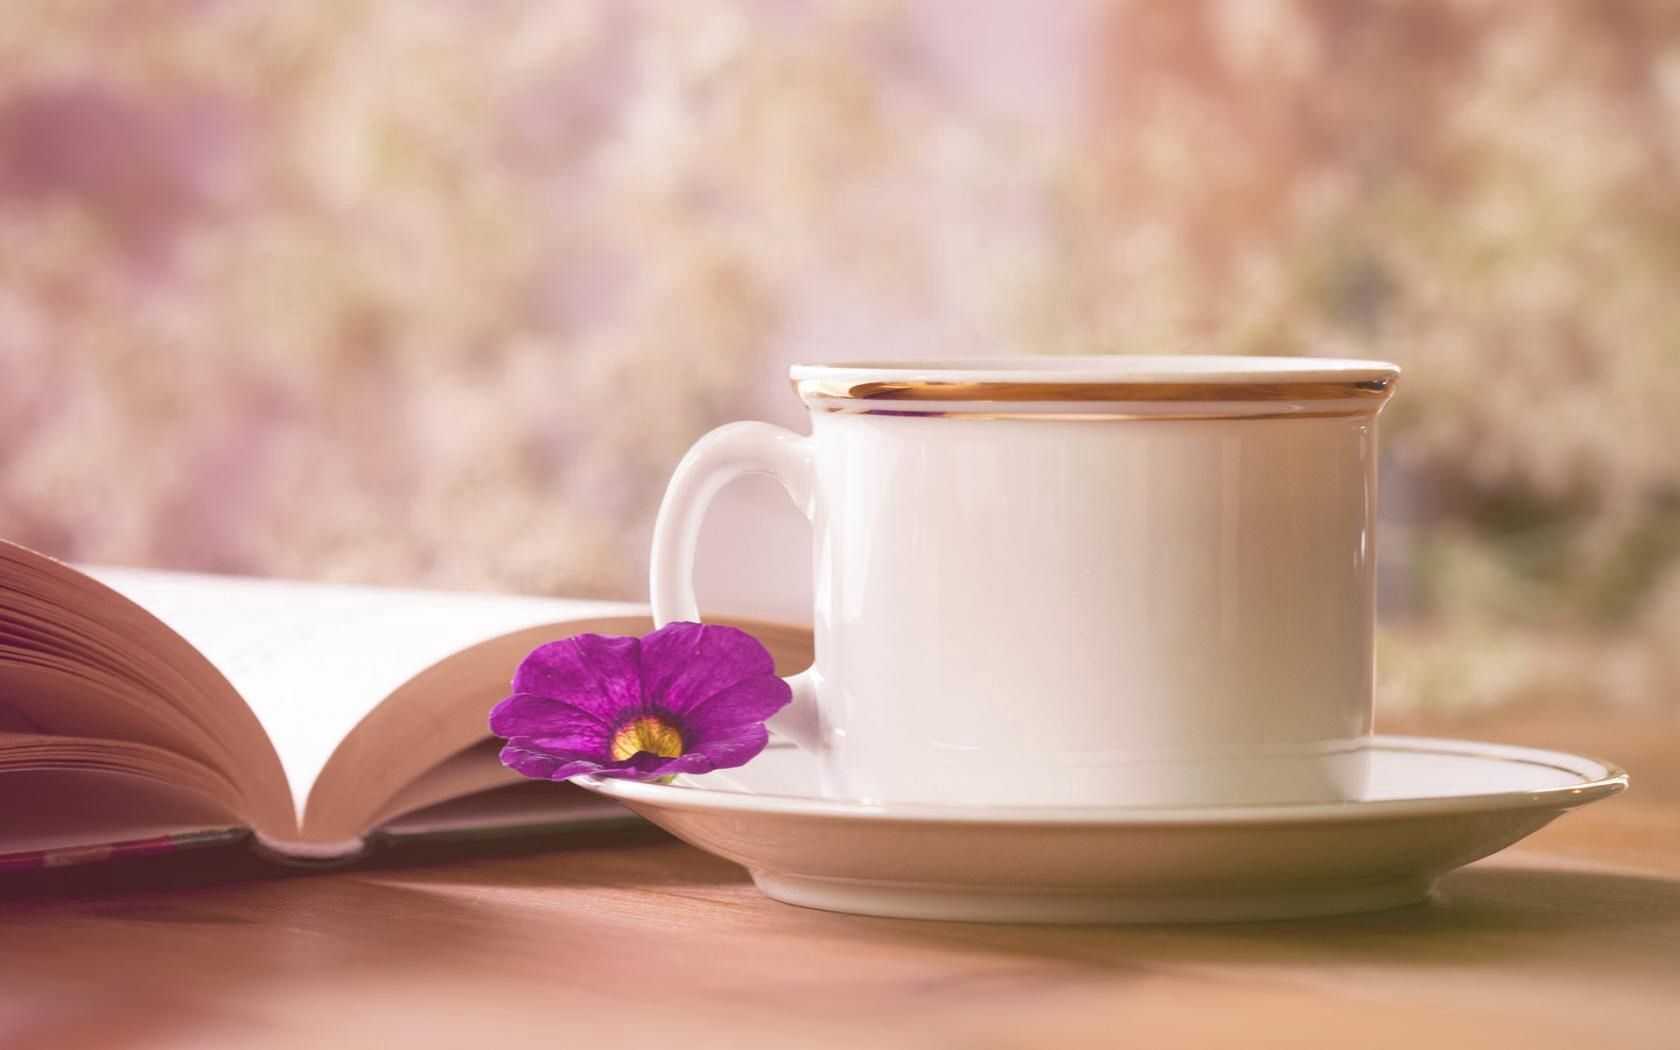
(1431, 806)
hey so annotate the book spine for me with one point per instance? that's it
(310, 854)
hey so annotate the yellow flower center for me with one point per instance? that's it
(647, 733)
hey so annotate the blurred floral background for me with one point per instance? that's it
(437, 293)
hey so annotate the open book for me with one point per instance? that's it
(139, 710)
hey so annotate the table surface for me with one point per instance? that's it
(1571, 938)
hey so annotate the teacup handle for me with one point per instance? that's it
(727, 453)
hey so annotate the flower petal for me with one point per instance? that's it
(684, 664)
(531, 715)
(544, 765)
(726, 713)
(738, 748)
(590, 672)
(712, 685)
(646, 766)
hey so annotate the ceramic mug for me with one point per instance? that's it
(1073, 581)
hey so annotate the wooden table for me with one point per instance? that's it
(1571, 939)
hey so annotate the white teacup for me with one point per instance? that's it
(1073, 581)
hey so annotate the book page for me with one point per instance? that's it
(71, 809)
(313, 659)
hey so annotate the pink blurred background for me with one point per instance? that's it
(437, 294)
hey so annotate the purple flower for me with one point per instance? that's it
(688, 698)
